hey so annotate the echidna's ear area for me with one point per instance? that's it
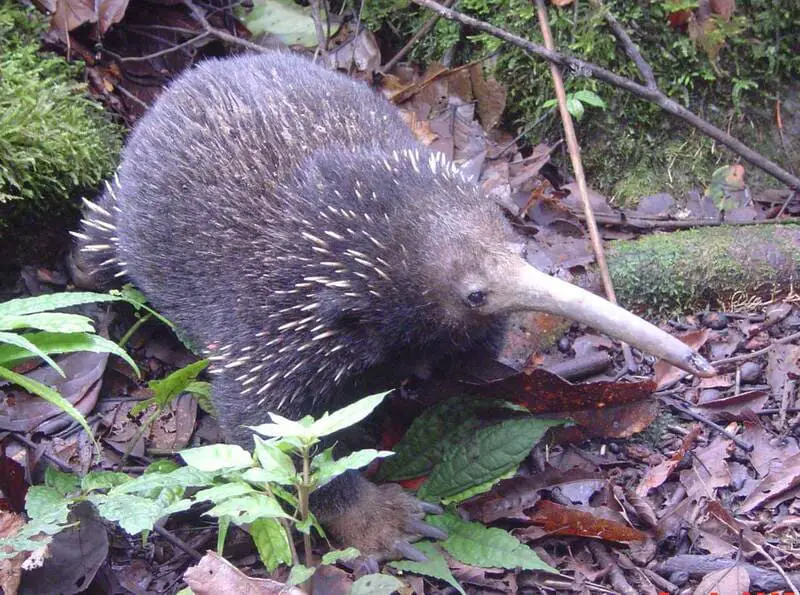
(98, 242)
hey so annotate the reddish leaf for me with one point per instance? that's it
(565, 520)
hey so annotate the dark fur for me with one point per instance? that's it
(286, 220)
(220, 181)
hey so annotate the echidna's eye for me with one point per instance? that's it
(476, 298)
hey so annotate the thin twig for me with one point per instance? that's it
(197, 13)
(745, 446)
(653, 95)
(423, 31)
(177, 542)
(649, 223)
(577, 167)
(322, 39)
(165, 51)
(628, 45)
(754, 354)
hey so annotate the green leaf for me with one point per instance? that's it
(289, 22)
(28, 348)
(492, 452)
(376, 584)
(326, 468)
(103, 480)
(272, 543)
(590, 98)
(168, 388)
(472, 543)
(52, 301)
(575, 108)
(299, 574)
(481, 488)
(45, 502)
(274, 461)
(56, 343)
(183, 477)
(62, 482)
(134, 513)
(224, 491)
(51, 396)
(246, 509)
(431, 434)
(346, 417)
(436, 565)
(328, 424)
(223, 524)
(333, 556)
(216, 457)
(54, 322)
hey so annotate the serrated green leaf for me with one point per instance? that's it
(376, 584)
(248, 508)
(259, 476)
(271, 542)
(274, 461)
(45, 502)
(222, 492)
(51, 396)
(479, 489)
(134, 513)
(103, 480)
(430, 435)
(590, 98)
(329, 423)
(333, 556)
(472, 543)
(28, 348)
(62, 482)
(490, 453)
(168, 388)
(52, 301)
(216, 457)
(54, 322)
(436, 565)
(299, 574)
(326, 468)
(346, 417)
(57, 343)
(183, 477)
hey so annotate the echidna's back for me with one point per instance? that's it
(200, 176)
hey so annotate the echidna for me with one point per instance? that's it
(286, 219)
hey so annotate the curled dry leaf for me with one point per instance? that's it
(566, 520)
(213, 574)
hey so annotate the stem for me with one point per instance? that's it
(134, 327)
(303, 493)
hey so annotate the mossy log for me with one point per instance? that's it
(727, 267)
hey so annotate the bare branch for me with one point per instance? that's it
(628, 45)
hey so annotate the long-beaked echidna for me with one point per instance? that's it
(287, 220)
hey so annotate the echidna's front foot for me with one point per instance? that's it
(381, 521)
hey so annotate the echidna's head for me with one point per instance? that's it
(415, 251)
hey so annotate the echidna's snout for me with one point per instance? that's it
(517, 286)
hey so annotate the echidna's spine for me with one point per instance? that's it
(98, 240)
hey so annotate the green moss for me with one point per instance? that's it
(672, 273)
(53, 138)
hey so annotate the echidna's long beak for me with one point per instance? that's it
(530, 289)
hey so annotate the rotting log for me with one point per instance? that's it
(728, 267)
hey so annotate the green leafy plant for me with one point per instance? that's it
(31, 328)
(266, 492)
(576, 101)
